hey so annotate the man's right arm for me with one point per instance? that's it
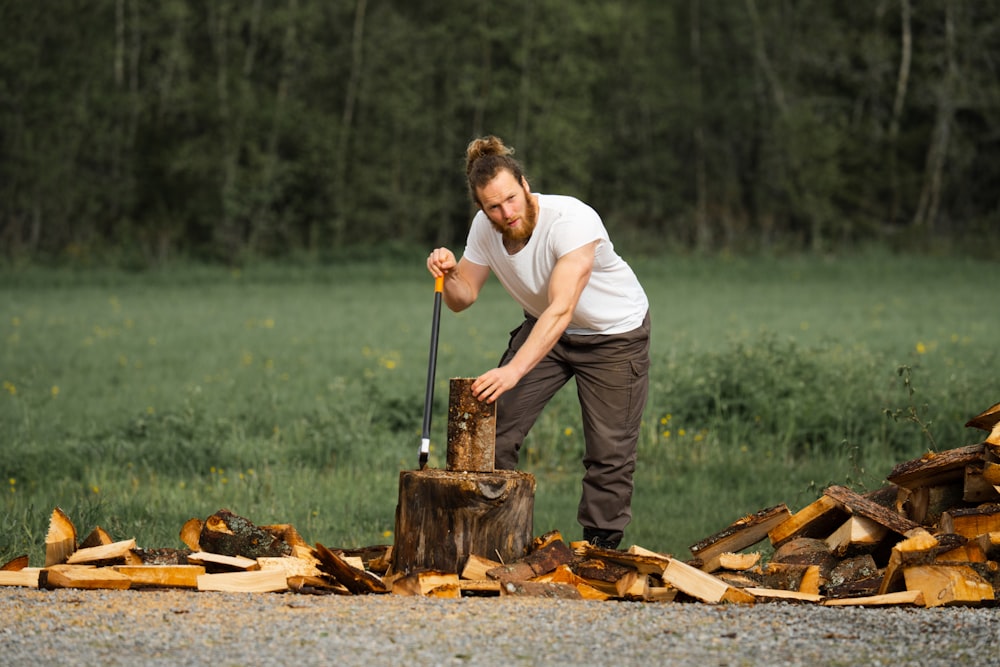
(462, 279)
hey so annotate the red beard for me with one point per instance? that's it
(524, 230)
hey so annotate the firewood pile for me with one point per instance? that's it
(929, 537)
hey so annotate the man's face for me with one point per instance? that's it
(509, 205)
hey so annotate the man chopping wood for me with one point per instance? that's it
(585, 316)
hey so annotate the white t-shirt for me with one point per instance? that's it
(613, 300)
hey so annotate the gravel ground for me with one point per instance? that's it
(171, 627)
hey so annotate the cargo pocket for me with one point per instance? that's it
(638, 390)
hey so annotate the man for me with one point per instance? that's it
(586, 315)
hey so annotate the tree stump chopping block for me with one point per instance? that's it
(444, 516)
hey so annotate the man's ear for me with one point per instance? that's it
(524, 184)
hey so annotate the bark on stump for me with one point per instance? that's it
(444, 516)
(472, 429)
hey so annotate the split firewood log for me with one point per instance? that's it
(232, 535)
(703, 586)
(290, 536)
(15, 564)
(978, 487)
(60, 541)
(989, 543)
(989, 571)
(857, 533)
(479, 587)
(738, 561)
(852, 570)
(538, 562)
(924, 504)
(315, 586)
(253, 581)
(477, 567)
(355, 580)
(991, 470)
(161, 576)
(807, 551)
(739, 579)
(105, 554)
(742, 533)
(970, 551)
(162, 556)
(29, 577)
(291, 566)
(919, 548)
(816, 520)
(801, 577)
(545, 539)
(375, 559)
(191, 534)
(948, 584)
(782, 595)
(971, 522)
(861, 588)
(517, 571)
(429, 583)
(535, 589)
(216, 563)
(633, 586)
(642, 560)
(900, 598)
(661, 594)
(564, 574)
(934, 468)
(16, 572)
(987, 419)
(89, 577)
(861, 506)
(97, 537)
(604, 575)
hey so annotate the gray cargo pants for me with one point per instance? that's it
(612, 380)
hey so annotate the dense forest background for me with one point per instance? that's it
(230, 130)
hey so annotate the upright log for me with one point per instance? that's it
(472, 429)
(443, 517)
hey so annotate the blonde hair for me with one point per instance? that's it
(485, 157)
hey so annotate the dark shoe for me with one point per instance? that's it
(603, 539)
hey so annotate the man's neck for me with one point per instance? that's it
(513, 246)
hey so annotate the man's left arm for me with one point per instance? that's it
(569, 277)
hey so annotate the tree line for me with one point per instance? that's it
(228, 130)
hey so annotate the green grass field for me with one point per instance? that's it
(295, 395)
